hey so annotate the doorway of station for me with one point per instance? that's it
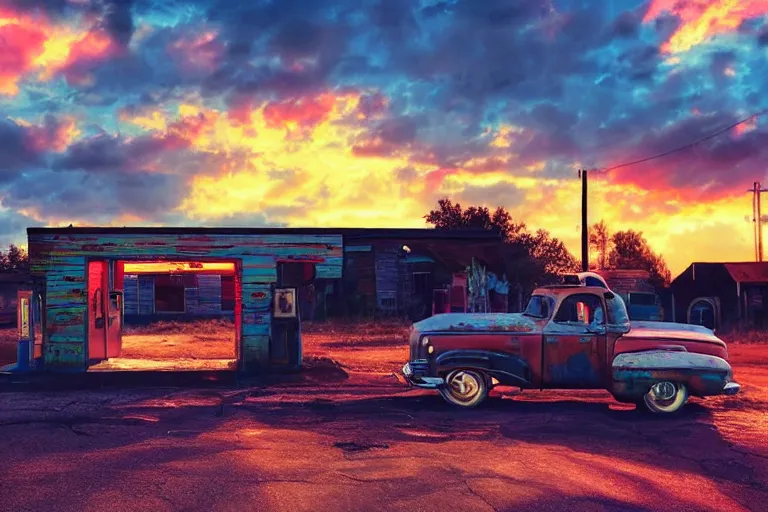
(163, 315)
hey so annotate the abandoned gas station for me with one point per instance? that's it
(80, 279)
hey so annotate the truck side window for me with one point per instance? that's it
(581, 309)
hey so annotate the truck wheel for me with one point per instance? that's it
(465, 388)
(666, 397)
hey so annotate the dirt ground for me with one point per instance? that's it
(346, 434)
(170, 340)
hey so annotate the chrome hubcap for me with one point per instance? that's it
(663, 391)
(464, 385)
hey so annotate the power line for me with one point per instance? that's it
(687, 146)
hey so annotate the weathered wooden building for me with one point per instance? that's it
(397, 272)
(722, 295)
(386, 273)
(80, 274)
(88, 282)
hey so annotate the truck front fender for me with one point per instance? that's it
(509, 370)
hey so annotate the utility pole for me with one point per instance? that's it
(584, 222)
(757, 218)
(759, 190)
(754, 216)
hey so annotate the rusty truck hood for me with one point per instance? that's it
(478, 322)
(671, 331)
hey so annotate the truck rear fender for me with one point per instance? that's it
(635, 372)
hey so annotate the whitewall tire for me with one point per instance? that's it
(465, 388)
(666, 397)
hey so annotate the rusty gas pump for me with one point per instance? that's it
(25, 321)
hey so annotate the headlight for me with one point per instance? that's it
(424, 341)
(430, 349)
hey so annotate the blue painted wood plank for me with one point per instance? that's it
(63, 356)
(131, 294)
(66, 338)
(256, 330)
(146, 295)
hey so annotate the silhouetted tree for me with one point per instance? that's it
(532, 259)
(452, 216)
(600, 240)
(551, 252)
(15, 259)
(631, 251)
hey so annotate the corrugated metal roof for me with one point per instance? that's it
(750, 272)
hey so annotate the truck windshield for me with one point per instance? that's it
(540, 306)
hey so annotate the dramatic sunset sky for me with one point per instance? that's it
(365, 112)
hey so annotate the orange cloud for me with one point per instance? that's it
(29, 44)
(703, 19)
(92, 48)
(297, 113)
(53, 135)
(20, 43)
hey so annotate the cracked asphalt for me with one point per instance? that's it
(338, 437)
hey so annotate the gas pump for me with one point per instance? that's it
(25, 321)
(286, 334)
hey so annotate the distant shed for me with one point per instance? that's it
(723, 295)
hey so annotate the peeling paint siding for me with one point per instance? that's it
(206, 298)
(258, 275)
(146, 291)
(131, 295)
(61, 259)
(326, 249)
(66, 304)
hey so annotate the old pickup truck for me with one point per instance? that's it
(568, 337)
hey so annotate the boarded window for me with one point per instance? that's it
(169, 294)
(227, 293)
(421, 283)
(294, 274)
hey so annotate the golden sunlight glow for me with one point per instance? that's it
(703, 19)
(160, 267)
(503, 136)
(298, 152)
(153, 120)
(296, 165)
(56, 50)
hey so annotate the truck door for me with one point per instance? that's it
(575, 343)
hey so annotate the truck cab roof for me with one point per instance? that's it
(569, 289)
